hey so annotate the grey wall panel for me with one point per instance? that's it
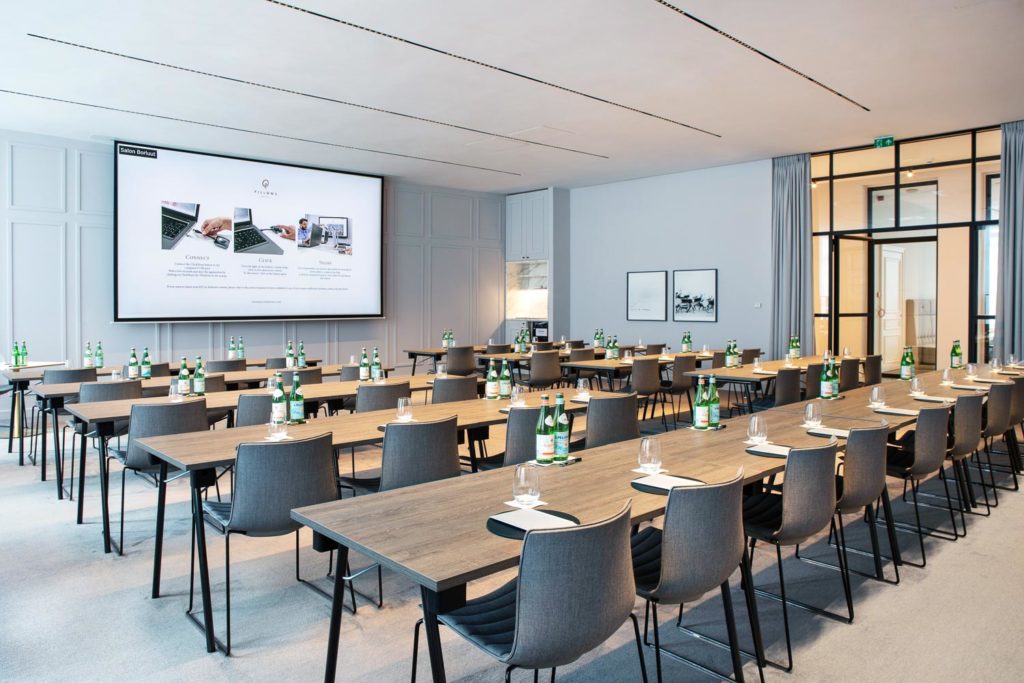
(451, 292)
(409, 212)
(451, 216)
(93, 299)
(489, 219)
(408, 297)
(490, 311)
(94, 183)
(37, 177)
(37, 264)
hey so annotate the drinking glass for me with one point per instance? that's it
(490, 342)
(442, 370)
(404, 413)
(639, 343)
(563, 340)
(526, 484)
(116, 375)
(172, 391)
(757, 429)
(271, 383)
(649, 457)
(877, 396)
(994, 364)
(846, 352)
(582, 388)
(704, 349)
(67, 363)
(915, 386)
(517, 396)
(1012, 360)
(947, 376)
(972, 370)
(628, 353)
(757, 362)
(277, 430)
(812, 414)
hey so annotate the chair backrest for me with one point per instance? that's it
(448, 389)
(574, 343)
(718, 359)
(91, 392)
(543, 345)
(418, 452)
(233, 365)
(787, 386)
(277, 363)
(575, 589)
(348, 373)
(313, 375)
(215, 383)
(611, 419)
(253, 409)
(808, 494)
(747, 356)
(967, 418)
(872, 370)
(702, 542)
(271, 479)
(160, 419)
(380, 396)
(521, 436)
(646, 376)
(545, 368)
(580, 354)
(930, 439)
(461, 360)
(1017, 402)
(68, 375)
(654, 349)
(849, 374)
(680, 366)
(812, 383)
(863, 468)
(498, 348)
(998, 410)
(161, 370)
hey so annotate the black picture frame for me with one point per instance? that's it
(647, 295)
(695, 295)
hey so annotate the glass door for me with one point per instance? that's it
(853, 268)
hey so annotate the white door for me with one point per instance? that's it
(889, 305)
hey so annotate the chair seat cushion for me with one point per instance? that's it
(219, 511)
(762, 515)
(898, 461)
(646, 547)
(489, 621)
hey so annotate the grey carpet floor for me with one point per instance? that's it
(69, 612)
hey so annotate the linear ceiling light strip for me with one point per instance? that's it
(759, 52)
(254, 132)
(314, 96)
(485, 65)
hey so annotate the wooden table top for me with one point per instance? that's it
(625, 363)
(216, 448)
(438, 351)
(746, 373)
(436, 533)
(110, 411)
(34, 373)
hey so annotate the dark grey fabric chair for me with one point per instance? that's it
(681, 384)
(543, 345)
(448, 389)
(277, 363)
(812, 381)
(498, 348)
(545, 370)
(214, 384)
(849, 374)
(872, 370)
(718, 359)
(520, 439)
(380, 396)
(610, 419)
(347, 373)
(314, 375)
(461, 360)
(419, 452)
(747, 356)
(654, 349)
(997, 424)
(1010, 435)
(646, 381)
(574, 344)
(156, 419)
(574, 590)
(58, 376)
(699, 548)
(253, 409)
(92, 392)
(573, 375)
(160, 369)
(787, 386)
(233, 365)
(805, 506)
(924, 455)
(271, 479)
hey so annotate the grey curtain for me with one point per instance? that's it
(791, 254)
(1009, 327)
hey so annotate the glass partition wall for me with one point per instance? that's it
(904, 243)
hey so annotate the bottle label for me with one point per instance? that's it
(505, 388)
(826, 388)
(87, 361)
(375, 372)
(906, 371)
(199, 385)
(956, 361)
(364, 373)
(231, 354)
(289, 362)
(302, 360)
(835, 387)
(713, 415)
(561, 445)
(277, 412)
(182, 386)
(147, 372)
(545, 447)
(700, 417)
(685, 348)
(492, 389)
(297, 410)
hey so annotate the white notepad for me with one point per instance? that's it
(990, 380)
(1011, 373)
(932, 399)
(769, 449)
(766, 372)
(666, 482)
(580, 399)
(968, 387)
(829, 431)
(531, 520)
(898, 411)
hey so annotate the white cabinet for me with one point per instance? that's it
(528, 221)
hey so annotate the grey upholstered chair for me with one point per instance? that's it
(718, 359)
(962, 445)
(806, 505)
(747, 356)
(610, 419)
(253, 409)
(997, 423)
(573, 375)
(575, 589)
(543, 345)
(448, 389)
(214, 384)
(520, 439)
(812, 381)
(380, 396)
(545, 370)
(654, 349)
(872, 370)
(700, 546)
(498, 348)
(461, 360)
(646, 381)
(233, 365)
(681, 384)
(925, 454)
(787, 386)
(92, 392)
(59, 376)
(277, 363)
(271, 479)
(156, 419)
(419, 452)
(1010, 435)
(347, 373)
(574, 344)
(849, 374)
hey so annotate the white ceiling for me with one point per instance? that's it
(920, 66)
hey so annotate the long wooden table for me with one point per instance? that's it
(612, 368)
(435, 534)
(434, 353)
(200, 453)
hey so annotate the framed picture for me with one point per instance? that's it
(695, 295)
(646, 294)
(336, 226)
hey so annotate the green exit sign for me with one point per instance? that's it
(883, 141)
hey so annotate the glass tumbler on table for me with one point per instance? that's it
(877, 396)
(757, 430)
(649, 457)
(404, 410)
(812, 414)
(526, 484)
(582, 388)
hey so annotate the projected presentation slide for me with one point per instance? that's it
(206, 237)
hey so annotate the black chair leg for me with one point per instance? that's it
(730, 622)
(657, 640)
(785, 612)
(227, 587)
(639, 647)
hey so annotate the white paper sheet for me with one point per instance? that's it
(666, 482)
(530, 520)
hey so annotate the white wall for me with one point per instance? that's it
(711, 218)
(443, 267)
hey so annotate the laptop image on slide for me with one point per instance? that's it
(316, 234)
(176, 219)
(250, 239)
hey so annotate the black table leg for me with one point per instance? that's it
(435, 603)
(104, 497)
(81, 471)
(158, 548)
(337, 607)
(21, 429)
(58, 451)
(10, 425)
(200, 480)
(44, 408)
(415, 361)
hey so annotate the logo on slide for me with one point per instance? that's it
(266, 183)
(265, 192)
